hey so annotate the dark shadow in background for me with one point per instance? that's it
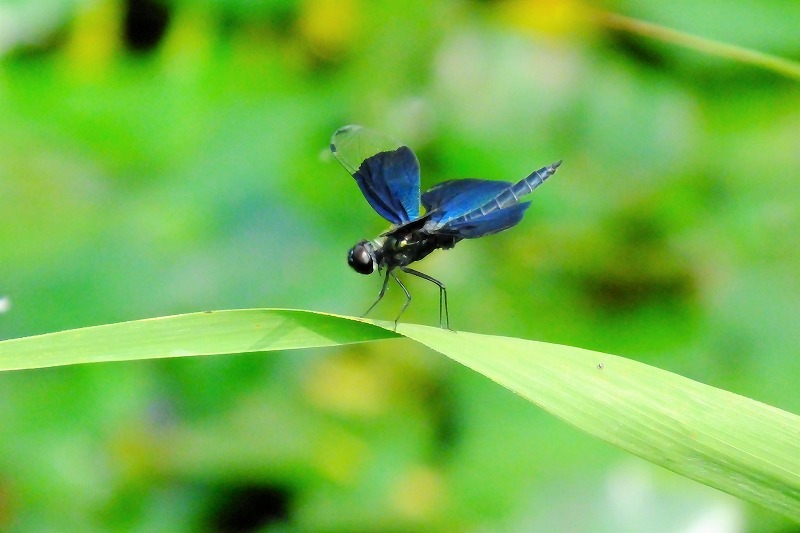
(144, 24)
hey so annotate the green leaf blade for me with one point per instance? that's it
(194, 334)
(735, 444)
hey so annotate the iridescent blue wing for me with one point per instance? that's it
(386, 172)
(454, 198)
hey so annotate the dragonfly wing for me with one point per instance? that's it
(493, 222)
(452, 199)
(386, 172)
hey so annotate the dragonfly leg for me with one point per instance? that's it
(442, 295)
(408, 298)
(380, 294)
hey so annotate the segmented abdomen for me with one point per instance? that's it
(511, 195)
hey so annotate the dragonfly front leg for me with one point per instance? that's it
(380, 294)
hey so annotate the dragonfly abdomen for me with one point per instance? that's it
(510, 196)
(527, 185)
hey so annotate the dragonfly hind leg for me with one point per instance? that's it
(442, 295)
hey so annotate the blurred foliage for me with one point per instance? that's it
(165, 157)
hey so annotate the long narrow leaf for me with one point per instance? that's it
(727, 441)
(209, 333)
(779, 65)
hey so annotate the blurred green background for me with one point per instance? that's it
(168, 157)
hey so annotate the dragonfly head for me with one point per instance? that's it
(361, 257)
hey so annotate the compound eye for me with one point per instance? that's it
(360, 259)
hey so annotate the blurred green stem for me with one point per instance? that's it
(785, 67)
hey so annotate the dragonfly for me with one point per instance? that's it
(388, 175)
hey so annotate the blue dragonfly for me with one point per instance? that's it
(388, 175)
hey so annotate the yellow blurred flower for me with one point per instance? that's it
(94, 38)
(419, 493)
(545, 17)
(348, 386)
(328, 27)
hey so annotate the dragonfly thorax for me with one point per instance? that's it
(403, 247)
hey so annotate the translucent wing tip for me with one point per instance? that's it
(350, 128)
